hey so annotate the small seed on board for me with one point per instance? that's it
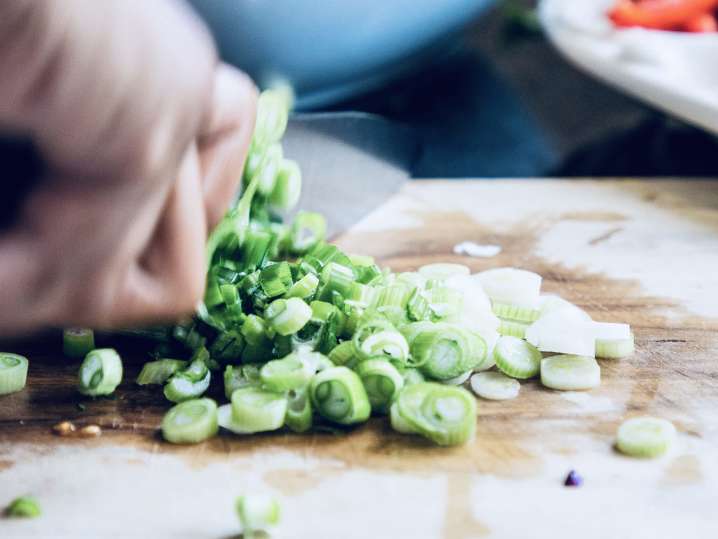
(90, 431)
(64, 428)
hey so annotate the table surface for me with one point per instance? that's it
(644, 252)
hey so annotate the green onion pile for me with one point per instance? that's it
(299, 332)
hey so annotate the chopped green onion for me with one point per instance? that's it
(570, 372)
(299, 410)
(304, 288)
(645, 437)
(442, 270)
(23, 507)
(445, 351)
(287, 189)
(339, 396)
(513, 328)
(275, 279)
(100, 372)
(269, 169)
(398, 423)
(512, 286)
(253, 410)
(615, 348)
(517, 358)
(515, 312)
(563, 331)
(459, 380)
(228, 346)
(444, 414)
(361, 260)
(343, 354)
(257, 513)
(13, 372)
(190, 422)
(191, 382)
(78, 342)
(377, 336)
(287, 316)
(417, 307)
(158, 372)
(412, 376)
(335, 278)
(287, 373)
(495, 386)
(308, 229)
(272, 115)
(444, 301)
(382, 382)
(254, 331)
(237, 377)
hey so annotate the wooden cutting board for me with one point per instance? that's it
(645, 253)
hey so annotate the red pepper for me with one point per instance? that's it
(705, 23)
(659, 14)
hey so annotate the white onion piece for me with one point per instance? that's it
(549, 303)
(563, 332)
(511, 285)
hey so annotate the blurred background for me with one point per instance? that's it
(475, 82)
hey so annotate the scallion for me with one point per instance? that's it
(13, 372)
(100, 372)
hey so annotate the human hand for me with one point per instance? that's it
(144, 136)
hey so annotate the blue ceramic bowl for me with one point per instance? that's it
(331, 49)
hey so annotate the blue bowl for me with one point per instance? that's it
(331, 49)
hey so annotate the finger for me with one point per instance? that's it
(224, 139)
(169, 279)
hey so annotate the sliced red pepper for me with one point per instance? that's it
(705, 23)
(659, 14)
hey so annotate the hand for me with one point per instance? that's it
(144, 135)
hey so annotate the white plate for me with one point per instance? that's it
(673, 71)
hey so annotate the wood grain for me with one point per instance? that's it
(508, 483)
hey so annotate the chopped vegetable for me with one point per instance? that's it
(100, 372)
(257, 513)
(159, 371)
(495, 386)
(253, 410)
(13, 372)
(382, 382)
(516, 287)
(570, 372)
(444, 414)
(23, 507)
(190, 422)
(517, 358)
(339, 396)
(191, 382)
(645, 437)
(78, 342)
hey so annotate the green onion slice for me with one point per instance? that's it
(412, 376)
(445, 351)
(288, 187)
(13, 372)
(159, 371)
(23, 507)
(615, 348)
(458, 380)
(237, 377)
(382, 382)
(308, 229)
(444, 414)
(287, 316)
(253, 410)
(338, 395)
(100, 372)
(513, 328)
(495, 386)
(645, 437)
(191, 382)
(290, 372)
(570, 372)
(299, 410)
(269, 169)
(304, 288)
(343, 354)
(517, 358)
(515, 313)
(511, 286)
(190, 422)
(78, 342)
(257, 513)
(398, 423)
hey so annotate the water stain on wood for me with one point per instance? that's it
(683, 470)
(459, 520)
